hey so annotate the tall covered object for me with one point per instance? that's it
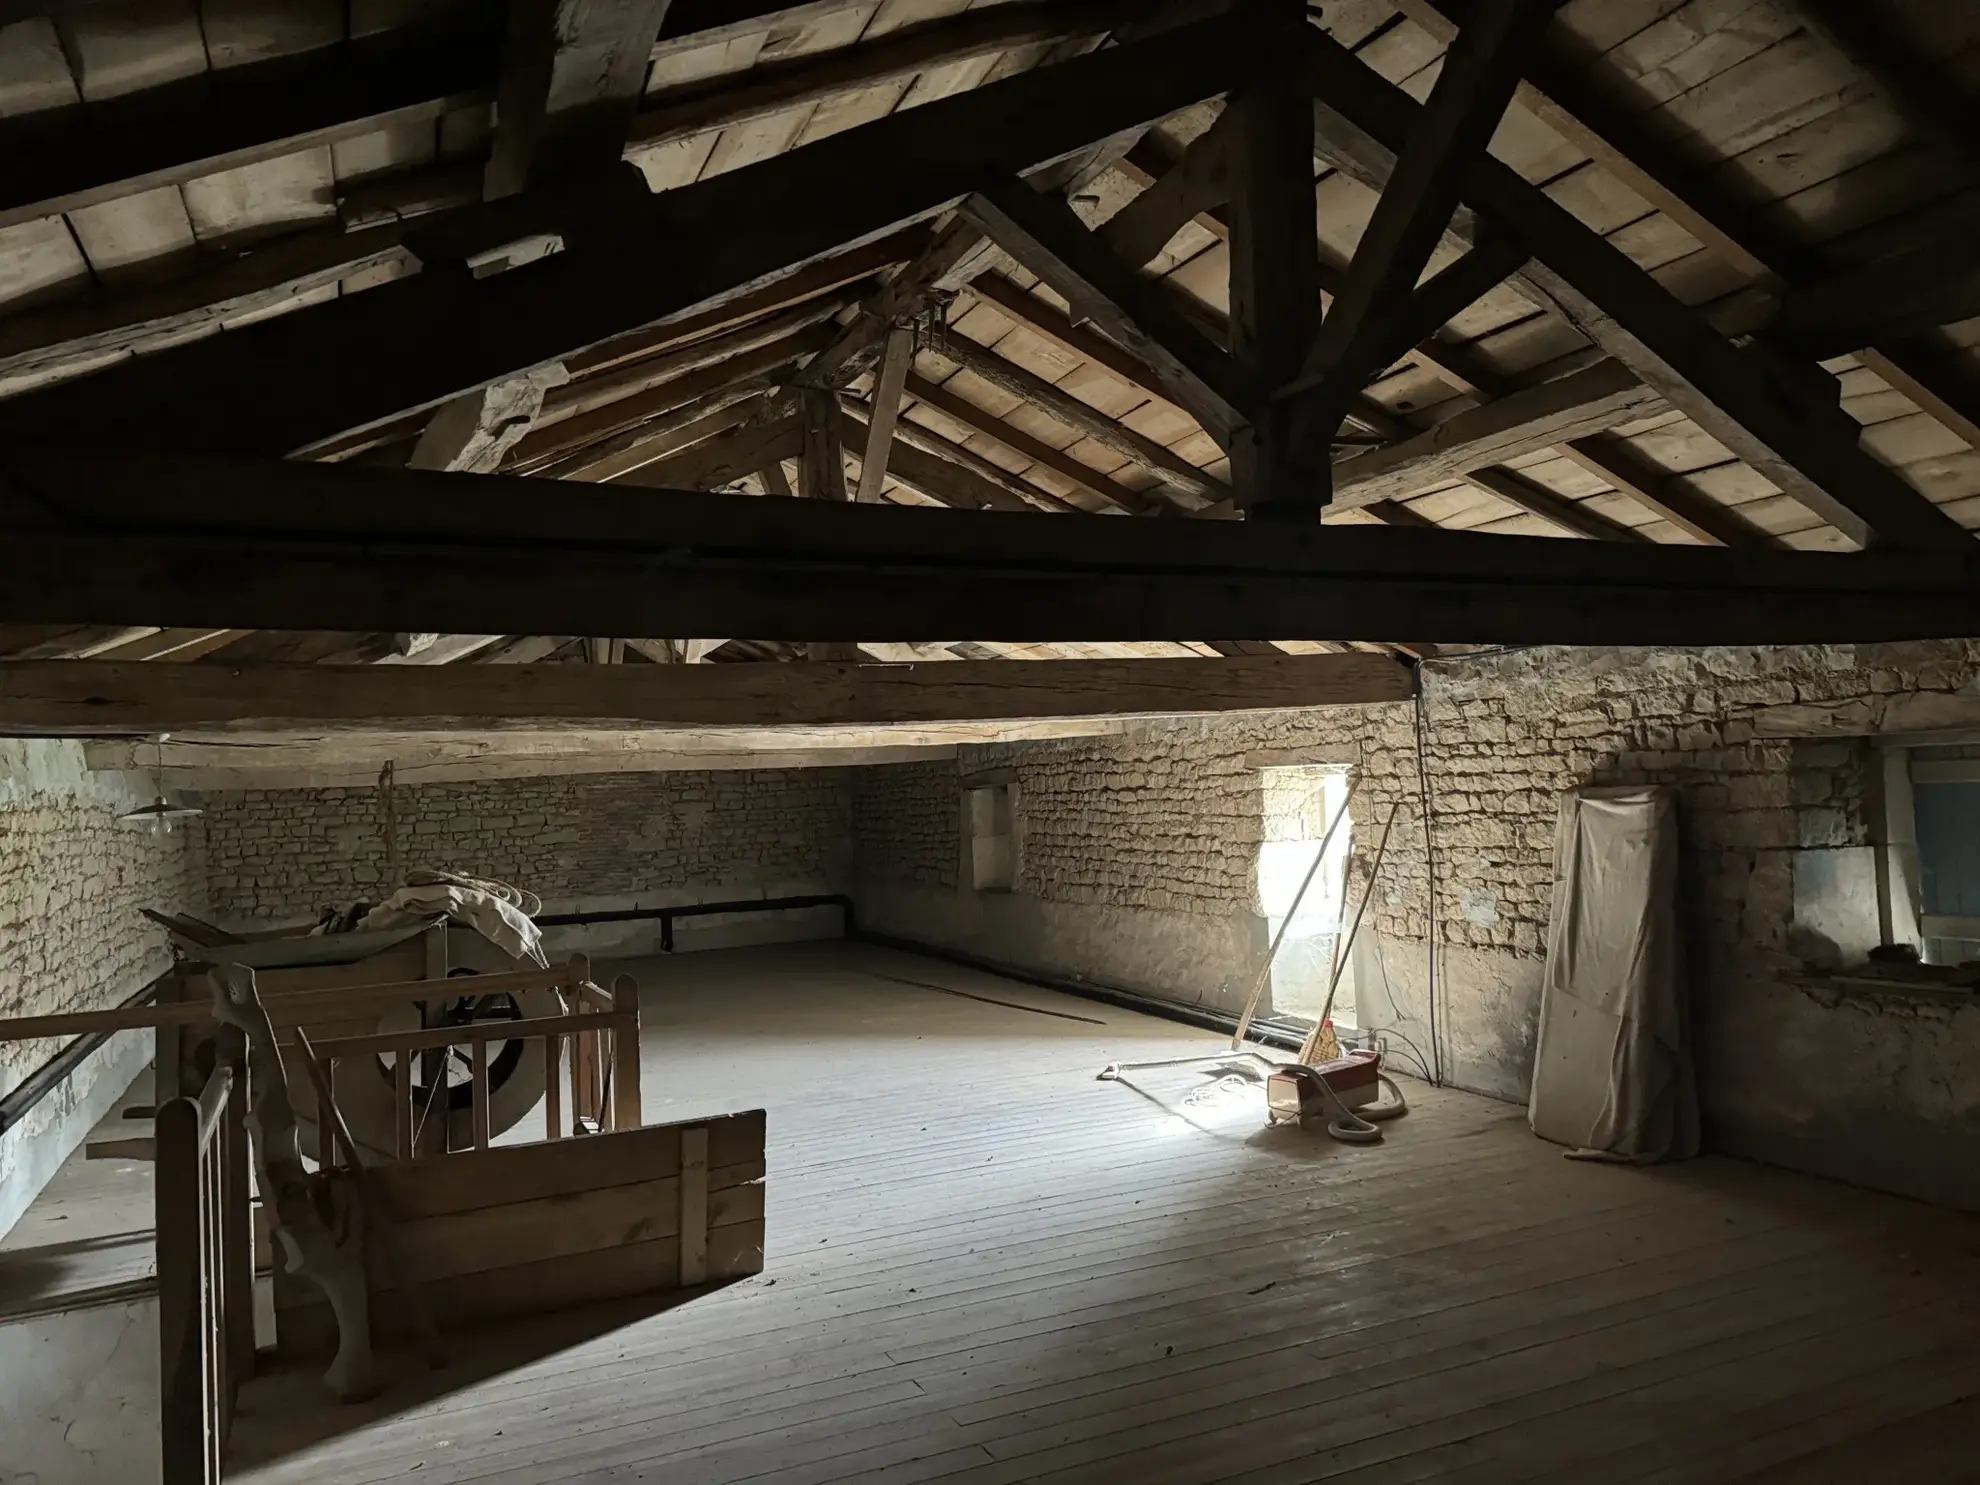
(1612, 1074)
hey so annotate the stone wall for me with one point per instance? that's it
(594, 842)
(72, 880)
(1136, 868)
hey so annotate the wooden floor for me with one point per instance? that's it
(986, 1266)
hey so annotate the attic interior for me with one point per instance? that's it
(1437, 939)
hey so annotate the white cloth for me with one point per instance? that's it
(505, 926)
(1612, 1071)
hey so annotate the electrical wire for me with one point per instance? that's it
(1430, 882)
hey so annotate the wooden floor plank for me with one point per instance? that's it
(985, 1266)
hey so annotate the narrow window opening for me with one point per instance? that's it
(1299, 802)
(992, 838)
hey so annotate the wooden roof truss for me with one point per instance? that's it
(985, 303)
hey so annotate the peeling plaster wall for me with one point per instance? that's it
(72, 880)
(1136, 868)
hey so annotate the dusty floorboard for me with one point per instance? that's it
(986, 1266)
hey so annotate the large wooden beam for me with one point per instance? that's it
(183, 541)
(1174, 471)
(89, 698)
(643, 260)
(1087, 478)
(1275, 255)
(1684, 181)
(1574, 406)
(772, 87)
(1365, 330)
(1913, 292)
(732, 360)
(1666, 495)
(226, 117)
(572, 74)
(1557, 510)
(1811, 452)
(721, 460)
(1177, 193)
(1043, 233)
(957, 477)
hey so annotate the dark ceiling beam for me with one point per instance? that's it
(183, 541)
(641, 260)
(1907, 294)
(1275, 275)
(92, 698)
(1043, 234)
(1575, 406)
(947, 472)
(771, 87)
(721, 460)
(1572, 95)
(1569, 515)
(985, 422)
(572, 75)
(1367, 328)
(672, 432)
(223, 118)
(1807, 449)
(268, 274)
(1459, 365)
(1174, 471)
(1616, 463)
(731, 359)
(1178, 192)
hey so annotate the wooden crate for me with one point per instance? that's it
(526, 1229)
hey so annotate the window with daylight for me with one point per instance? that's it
(992, 837)
(1299, 802)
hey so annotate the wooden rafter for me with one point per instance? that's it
(94, 699)
(752, 360)
(1084, 476)
(1274, 252)
(821, 451)
(889, 385)
(1044, 235)
(1176, 473)
(1703, 519)
(770, 88)
(572, 74)
(223, 118)
(663, 437)
(1370, 323)
(1574, 406)
(1570, 515)
(1808, 451)
(1177, 192)
(944, 472)
(720, 237)
(375, 550)
(1563, 93)
(722, 460)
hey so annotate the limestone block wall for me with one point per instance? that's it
(582, 843)
(1136, 868)
(72, 880)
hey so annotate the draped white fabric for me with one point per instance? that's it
(1612, 1073)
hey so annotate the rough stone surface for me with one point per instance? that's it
(1162, 825)
(72, 880)
(282, 855)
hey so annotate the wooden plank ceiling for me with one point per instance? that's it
(1668, 174)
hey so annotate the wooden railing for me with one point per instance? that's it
(602, 1028)
(205, 1273)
